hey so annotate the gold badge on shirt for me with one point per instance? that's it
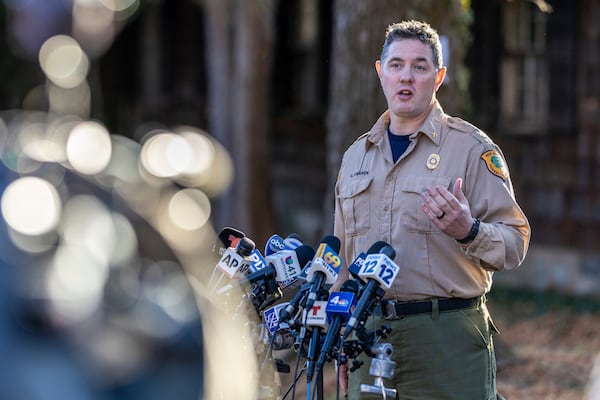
(433, 161)
(495, 163)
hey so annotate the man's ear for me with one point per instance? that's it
(378, 68)
(439, 78)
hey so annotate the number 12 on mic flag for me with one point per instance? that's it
(380, 268)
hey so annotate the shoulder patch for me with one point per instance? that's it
(495, 163)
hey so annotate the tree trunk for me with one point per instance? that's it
(239, 44)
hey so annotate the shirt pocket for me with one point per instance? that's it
(356, 206)
(412, 216)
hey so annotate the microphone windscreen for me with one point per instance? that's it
(388, 251)
(245, 246)
(376, 247)
(333, 242)
(230, 236)
(350, 286)
(292, 241)
(305, 254)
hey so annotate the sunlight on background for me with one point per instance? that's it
(112, 236)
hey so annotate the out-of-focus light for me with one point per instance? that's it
(165, 154)
(89, 147)
(31, 206)
(126, 244)
(75, 283)
(176, 298)
(189, 209)
(107, 235)
(34, 144)
(189, 156)
(33, 244)
(123, 164)
(63, 61)
(203, 151)
(70, 101)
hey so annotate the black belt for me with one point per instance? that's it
(393, 309)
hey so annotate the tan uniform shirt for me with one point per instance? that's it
(379, 200)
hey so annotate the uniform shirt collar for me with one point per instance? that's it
(430, 128)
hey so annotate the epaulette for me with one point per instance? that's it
(461, 125)
(466, 127)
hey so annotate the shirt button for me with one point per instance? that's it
(386, 208)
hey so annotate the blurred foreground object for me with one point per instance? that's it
(104, 245)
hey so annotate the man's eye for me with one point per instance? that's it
(420, 68)
(394, 65)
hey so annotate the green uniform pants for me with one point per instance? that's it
(438, 356)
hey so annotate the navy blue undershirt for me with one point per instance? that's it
(399, 144)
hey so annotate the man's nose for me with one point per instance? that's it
(406, 74)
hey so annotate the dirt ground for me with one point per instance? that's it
(546, 354)
(546, 349)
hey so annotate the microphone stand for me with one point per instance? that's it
(381, 367)
(319, 385)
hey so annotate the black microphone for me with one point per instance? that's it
(324, 268)
(267, 284)
(297, 301)
(228, 237)
(339, 309)
(378, 270)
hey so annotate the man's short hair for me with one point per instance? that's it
(412, 29)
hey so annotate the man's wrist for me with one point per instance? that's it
(472, 233)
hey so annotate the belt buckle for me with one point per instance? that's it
(388, 308)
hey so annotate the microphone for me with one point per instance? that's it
(316, 317)
(379, 271)
(292, 241)
(258, 261)
(228, 237)
(266, 284)
(271, 317)
(234, 260)
(357, 264)
(288, 264)
(324, 268)
(274, 244)
(292, 307)
(279, 332)
(339, 309)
